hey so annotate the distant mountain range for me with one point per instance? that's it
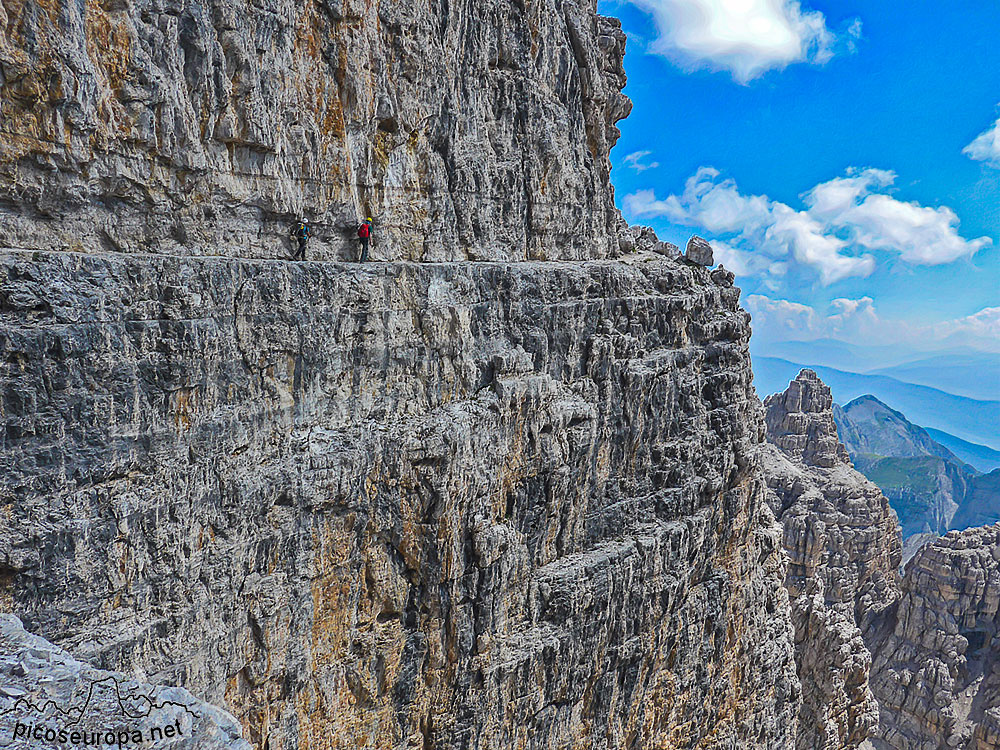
(971, 420)
(837, 354)
(931, 489)
(972, 375)
(868, 427)
(959, 370)
(983, 458)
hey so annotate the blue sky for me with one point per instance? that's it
(841, 156)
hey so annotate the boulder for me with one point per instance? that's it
(699, 251)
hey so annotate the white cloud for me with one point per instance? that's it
(875, 221)
(746, 37)
(983, 326)
(636, 161)
(845, 221)
(857, 320)
(781, 318)
(740, 262)
(986, 147)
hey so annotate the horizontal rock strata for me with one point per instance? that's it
(473, 505)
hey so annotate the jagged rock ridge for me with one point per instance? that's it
(907, 665)
(843, 544)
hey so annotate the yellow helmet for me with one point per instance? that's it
(368, 219)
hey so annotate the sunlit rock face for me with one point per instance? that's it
(843, 544)
(483, 504)
(467, 505)
(936, 671)
(475, 130)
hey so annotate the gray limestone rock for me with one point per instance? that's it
(668, 249)
(207, 127)
(935, 671)
(844, 549)
(639, 239)
(465, 505)
(48, 698)
(699, 251)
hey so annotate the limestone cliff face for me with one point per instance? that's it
(470, 505)
(936, 671)
(489, 504)
(843, 544)
(204, 127)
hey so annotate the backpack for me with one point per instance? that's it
(363, 230)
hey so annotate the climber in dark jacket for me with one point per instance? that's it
(365, 235)
(301, 233)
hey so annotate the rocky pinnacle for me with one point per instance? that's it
(843, 546)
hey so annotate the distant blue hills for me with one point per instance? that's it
(983, 458)
(971, 420)
(960, 370)
(974, 376)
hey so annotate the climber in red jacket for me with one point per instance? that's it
(365, 235)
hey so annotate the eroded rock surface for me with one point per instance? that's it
(465, 505)
(936, 671)
(843, 544)
(206, 127)
(49, 699)
(489, 504)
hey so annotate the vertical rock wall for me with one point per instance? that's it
(471, 505)
(206, 127)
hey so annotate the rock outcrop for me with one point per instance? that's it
(936, 671)
(699, 251)
(843, 544)
(49, 699)
(464, 505)
(883, 664)
(470, 130)
(640, 239)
